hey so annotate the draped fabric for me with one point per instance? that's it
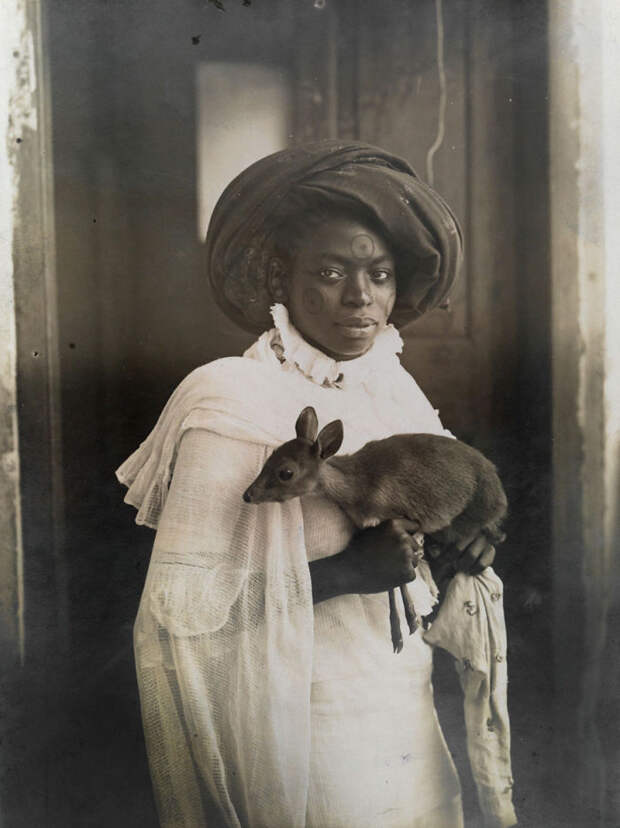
(471, 627)
(223, 643)
(420, 226)
(257, 706)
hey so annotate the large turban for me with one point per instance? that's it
(420, 226)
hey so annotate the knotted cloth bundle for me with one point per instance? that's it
(420, 226)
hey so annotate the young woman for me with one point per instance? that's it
(270, 693)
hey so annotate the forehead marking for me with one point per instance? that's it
(362, 246)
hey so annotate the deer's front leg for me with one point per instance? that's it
(397, 638)
(410, 614)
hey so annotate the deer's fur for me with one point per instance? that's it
(449, 488)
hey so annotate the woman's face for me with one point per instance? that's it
(341, 288)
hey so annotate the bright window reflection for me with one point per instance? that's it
(243, 113)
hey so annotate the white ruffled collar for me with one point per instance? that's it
(323, 369)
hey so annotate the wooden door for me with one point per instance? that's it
(432, 84)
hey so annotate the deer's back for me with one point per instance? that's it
(422, 476)
(428, 455)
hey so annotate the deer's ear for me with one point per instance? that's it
(307, 425)
(330, 439)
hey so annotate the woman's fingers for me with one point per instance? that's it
(486, 559)
(409, 560)
(408, 532)
(410, 545)
(477, 556)
(411, 527)
(406, 554)
(383, 556)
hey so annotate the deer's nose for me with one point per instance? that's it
(247, 496)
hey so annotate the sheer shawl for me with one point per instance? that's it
(223, 644)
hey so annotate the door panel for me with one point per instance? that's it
(394, 63)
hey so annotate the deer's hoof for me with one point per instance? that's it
(397, 644)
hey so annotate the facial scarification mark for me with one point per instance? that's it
(362, 246)
(313, 301)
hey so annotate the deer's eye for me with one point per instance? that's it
(285, 474)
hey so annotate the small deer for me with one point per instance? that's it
(450, 491)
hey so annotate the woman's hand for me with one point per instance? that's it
(476, 557)
(472, 560)
(377, 559)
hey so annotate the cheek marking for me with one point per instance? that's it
(386, 300)
(362, 246)
(313, 301)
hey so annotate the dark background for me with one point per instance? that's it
(135, 316)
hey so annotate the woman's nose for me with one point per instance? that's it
(358, 290)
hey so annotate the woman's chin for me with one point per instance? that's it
(351, 341)
(342, 343)
(344, 348)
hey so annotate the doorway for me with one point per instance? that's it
(459, 90)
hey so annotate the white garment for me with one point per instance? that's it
(287, 715)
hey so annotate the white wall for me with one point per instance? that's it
(17, 116)
(585, 208)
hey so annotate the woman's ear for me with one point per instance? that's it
(277, 278)
(330, 439)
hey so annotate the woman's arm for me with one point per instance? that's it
(376, 560)
(383, 558)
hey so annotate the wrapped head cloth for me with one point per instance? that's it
(412, 217)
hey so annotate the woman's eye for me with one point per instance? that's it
(331, 275)
(285, 474)
(382, 275)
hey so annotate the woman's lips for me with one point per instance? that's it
(357, 327)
